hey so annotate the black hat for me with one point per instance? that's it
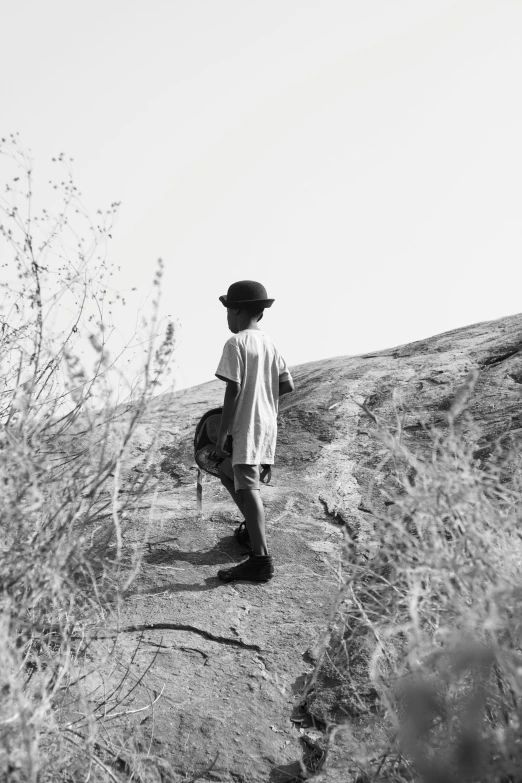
(246, 292)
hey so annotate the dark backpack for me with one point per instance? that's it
(205, 438)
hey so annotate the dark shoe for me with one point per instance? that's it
(258, 568)
(241, 535)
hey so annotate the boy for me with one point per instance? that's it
(256, 376)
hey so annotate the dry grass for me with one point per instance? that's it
(63, 441)
(426, 653)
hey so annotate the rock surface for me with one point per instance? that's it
(232, 659)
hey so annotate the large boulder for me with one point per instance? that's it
(232, 659)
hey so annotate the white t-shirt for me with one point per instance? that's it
(251, 359)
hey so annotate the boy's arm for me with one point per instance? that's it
(229, 406)
(286, 384)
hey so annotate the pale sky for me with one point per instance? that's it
(362, 159)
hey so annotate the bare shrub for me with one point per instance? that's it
(425, 656)
(67, 416)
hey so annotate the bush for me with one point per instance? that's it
(64, 432)
(426, 651)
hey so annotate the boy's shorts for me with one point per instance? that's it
(245, 476)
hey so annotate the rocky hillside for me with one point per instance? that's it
(232, 659)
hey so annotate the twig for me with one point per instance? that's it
(204, 772)
(94, 758)
(141, 709)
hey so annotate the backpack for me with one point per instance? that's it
(205, 439)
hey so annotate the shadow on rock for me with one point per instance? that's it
(221, 553)
(210, 583)
(288, 773)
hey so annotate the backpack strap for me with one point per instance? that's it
(199, 491)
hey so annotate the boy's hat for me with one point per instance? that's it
(246, 292)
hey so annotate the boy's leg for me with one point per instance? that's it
(255, 520)
(259, 566)
(226, 475)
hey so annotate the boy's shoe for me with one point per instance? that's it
(258, 568)
(241, 535)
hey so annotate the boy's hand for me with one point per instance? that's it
(220, 451)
